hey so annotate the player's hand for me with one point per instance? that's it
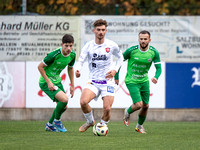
(78, 74)
(110, 75)
(117, 82)
(51, 86)
(72, 91)
(154, 80)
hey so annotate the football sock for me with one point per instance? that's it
(141, 119)
(49, 124)
(89, 117)
(104, 122)
(130, 110)
(63, 110)
(52, 116)
(60, 108)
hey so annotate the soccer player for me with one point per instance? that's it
(140, 58)
(50, 80)
(102, 70)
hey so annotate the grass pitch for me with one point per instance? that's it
(30, 135)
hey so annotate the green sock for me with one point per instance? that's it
(63, 111)
(130, 111)
(141, 119)
(60, 108)
(52, 116)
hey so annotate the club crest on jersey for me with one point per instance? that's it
(107, 50)
(149, 60)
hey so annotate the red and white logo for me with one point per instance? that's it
(107, 50)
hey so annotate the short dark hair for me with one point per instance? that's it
(67, 38)
(100, 22)
(145, 32)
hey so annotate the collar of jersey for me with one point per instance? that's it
(95, 44)
(141, 50)
(62, 53)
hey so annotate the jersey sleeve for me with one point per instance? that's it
(127, 53)
(158, 70)
(49, 59)
(157, 57)
(118, 54)
(157, 64)
(71, 64)
(116, 77)
(82, 57)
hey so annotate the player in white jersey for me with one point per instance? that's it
(102, 69)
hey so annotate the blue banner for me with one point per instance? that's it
(182, 85)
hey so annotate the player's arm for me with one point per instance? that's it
(118, 54)
(43, 74)
(81, 60)
(71, 78)
(126, 55)
(157, 65)
(116, 77)
(70, 70)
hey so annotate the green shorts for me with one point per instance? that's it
(51, 94)
(139, 92)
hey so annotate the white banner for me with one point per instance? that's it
(176, 38)
(35, 98)
(32, 37)
(12, 84)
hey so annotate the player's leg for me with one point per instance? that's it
(107, 104)
(61, 98)
(134, 90)
(49, 125)
(60, 108)
(107, 94)
(89, 93)
(53, 115)
(145, 92)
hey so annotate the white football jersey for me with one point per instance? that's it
(100, 58)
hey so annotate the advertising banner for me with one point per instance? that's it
(35, 98)
(32, 37)
(12, 85)
(182, 85)
(176, 38)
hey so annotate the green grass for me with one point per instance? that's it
(27, 135)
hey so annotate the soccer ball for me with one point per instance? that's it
(100, 130)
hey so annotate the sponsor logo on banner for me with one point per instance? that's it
(196, 77)
(6, 84)
(88, 26)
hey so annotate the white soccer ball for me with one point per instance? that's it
(100, 130)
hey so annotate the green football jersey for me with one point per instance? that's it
(139, 63)
(55, 62)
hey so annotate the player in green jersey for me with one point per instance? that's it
(140, 58)
(50, 80)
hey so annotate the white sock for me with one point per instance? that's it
(89, 117)
(139, 126)
(104, 122)
(56, 120)
(49, 124)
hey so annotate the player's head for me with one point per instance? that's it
(100, 28)
(67, 38)
(67, 44)
(100, 22)
(144, 39)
